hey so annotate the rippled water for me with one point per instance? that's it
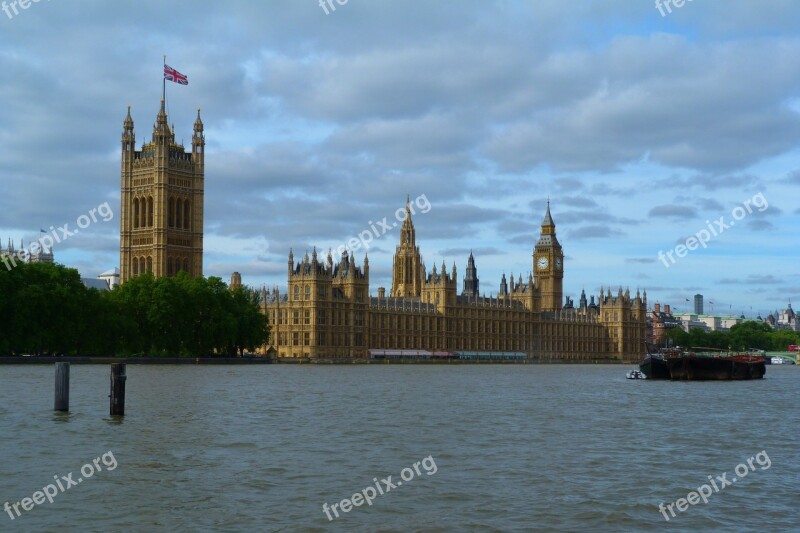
(261, 448)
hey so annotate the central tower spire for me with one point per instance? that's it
(407, 271)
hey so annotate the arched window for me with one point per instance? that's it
(150, 211)
(169, 266)
(186, 265)
(186, 212)
(150, 265)
(135, 267)
(178, 213)
(171, 213)
(135, 213)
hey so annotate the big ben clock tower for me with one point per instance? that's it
(548, 264)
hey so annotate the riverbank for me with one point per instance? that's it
(409, 361)
(47, 360)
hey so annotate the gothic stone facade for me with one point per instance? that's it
(328, 311)
(161, 216)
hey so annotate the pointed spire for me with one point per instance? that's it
(407, 233)
(162, 113)
(162, 134)
(548, 219)
(128, 123)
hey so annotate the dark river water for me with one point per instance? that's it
(496, 448)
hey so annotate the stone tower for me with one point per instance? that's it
(471, 281)
(407, 271)
(548, 263)
(161, 215)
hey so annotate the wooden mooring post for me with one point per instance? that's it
(62, 387)
(117, 395)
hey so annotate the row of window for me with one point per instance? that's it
(178, 213)
(322, 339)
(143, 265)
(322, 292)
(338, 318)
(175, 265)
(143, 212)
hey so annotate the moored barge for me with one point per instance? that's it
(676, 364)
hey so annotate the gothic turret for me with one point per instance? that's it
(407, 274)
(471, 282)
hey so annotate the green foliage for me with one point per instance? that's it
(747, 335)
(45, 309)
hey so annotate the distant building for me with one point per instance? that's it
(662, 321)
(236, 281)
(41, 255)
(11, 256)
(709, 322)
(111, 277)
(328, 312)
(698, 304)
(786, 319)
(95, 283)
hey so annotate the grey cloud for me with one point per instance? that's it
(594, 232)
(752, 280)
(673, 211)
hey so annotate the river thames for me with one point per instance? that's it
(488, 448)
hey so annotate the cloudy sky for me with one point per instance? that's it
(643, 130)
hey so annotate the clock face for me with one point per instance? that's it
(542, 263)
(558, 264)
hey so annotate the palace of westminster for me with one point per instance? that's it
(328, 311)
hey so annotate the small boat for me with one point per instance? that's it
(635, 374)
(777, 360)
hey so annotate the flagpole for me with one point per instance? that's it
(164, 81)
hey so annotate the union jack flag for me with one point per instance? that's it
(173, 75)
